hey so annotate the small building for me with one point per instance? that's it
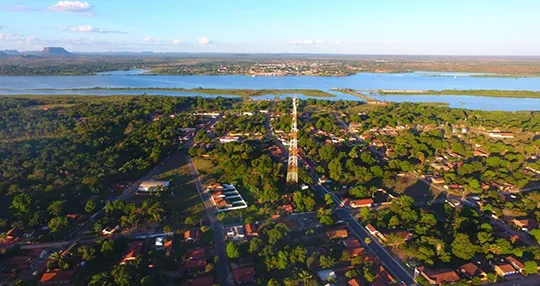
(356, 251)
(327, 274)
(518, 265)
(57, 278)
(195, 264)
(355, 282)
(525, 224)
(286, 209)
(236, 233)
(377, 143)
(372, 230)
(202, 281)
(244, 275)
(193, 234)
(133, 251)
(229, 139)
(437, 277)
(351, 242)
(361, 203)
(498, 134)
(337, 233)
(504, 269)
(153, 186)
(437, 180)
(196, 254)
(110, 230)
(479, 153)
(471, 271)
(251, 229)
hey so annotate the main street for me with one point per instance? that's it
(223, 272)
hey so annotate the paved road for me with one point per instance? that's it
(531, 280)
(223, 274)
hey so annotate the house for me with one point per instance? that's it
(327, 274)
(153, 186)
(323, 180)
(252, 229)
(518, 265)
(14, 234)
(133, 251)
(57, 278)
(193, 234)
(196, 254)
(372, 230)
(286, 209)
(525, 224)
(337, 233)
(236, 233)
(437, 180)
(471, 271)
(498, 134)
(202, 281)
(437, 277)
(109, 230)
(229, 139)
(244, 275)
(356, 251)
(504, 269)
(479, 153)
(383, 278)
(195, 264)
(351, 242)
(361, 203)
(377, 143)
(355, 282)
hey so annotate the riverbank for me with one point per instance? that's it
(244, 93)
(475, 92)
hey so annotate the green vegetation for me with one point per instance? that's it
(473, 92)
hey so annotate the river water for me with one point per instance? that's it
(363, 81)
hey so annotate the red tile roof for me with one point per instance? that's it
(440, 275)
(361, 203)
(202, 281)
(355, 251)
(371, 228)
(251, 229)
(516, 263)
(194, 264)
(337, 233)
(244, 275)
(355, 282)
(192, 234)
(196, 254)
(506, 268)
(470, 269)
(133, 251)
(56, 278)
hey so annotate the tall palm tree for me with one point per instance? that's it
(305, 276)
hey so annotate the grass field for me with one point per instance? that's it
(186, 201)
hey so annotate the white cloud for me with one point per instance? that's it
(315, 42)
(153, 40)
(71, 6)
(177, 42)
(204, 41)
(89, 29)
(306, 42)
(17, 38)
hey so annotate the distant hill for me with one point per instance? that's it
(55, 51)
(11, 52)
(2, 54)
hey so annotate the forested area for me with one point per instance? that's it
(56, 150)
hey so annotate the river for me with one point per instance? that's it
(364, 81)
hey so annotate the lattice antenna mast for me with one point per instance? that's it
(292, 167)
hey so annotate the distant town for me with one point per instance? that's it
(46, 62)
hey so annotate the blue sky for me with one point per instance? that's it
(442, 27)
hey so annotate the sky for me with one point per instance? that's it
(405, 27)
